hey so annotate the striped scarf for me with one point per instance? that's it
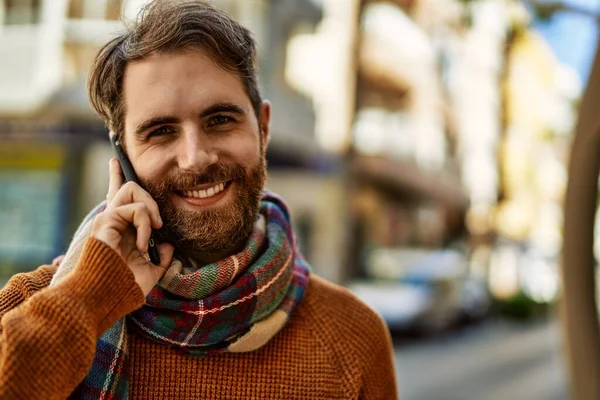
(234, 305)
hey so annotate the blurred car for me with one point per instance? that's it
(422, 290)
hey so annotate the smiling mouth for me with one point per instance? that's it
(206, 192)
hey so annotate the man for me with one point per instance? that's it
(232, 311)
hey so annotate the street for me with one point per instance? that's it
(494, 360)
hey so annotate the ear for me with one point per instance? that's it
(264, 123)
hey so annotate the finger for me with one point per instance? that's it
(115, 178)
(131, 192)
(136, 214)
(141, 221)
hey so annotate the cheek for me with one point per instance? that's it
(150, 165)
(243, 150)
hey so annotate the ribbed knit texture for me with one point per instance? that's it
(333, 347)
(48, 342)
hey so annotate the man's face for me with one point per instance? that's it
(197, 147)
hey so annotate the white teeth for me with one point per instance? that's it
(202, 194)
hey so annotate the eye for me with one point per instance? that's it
(163, 130)
(219, 120)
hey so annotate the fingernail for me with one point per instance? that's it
(146, 257)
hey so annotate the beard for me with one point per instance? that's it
(211, 231)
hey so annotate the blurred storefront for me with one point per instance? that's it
(33, 187)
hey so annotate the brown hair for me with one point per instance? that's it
(165, 26)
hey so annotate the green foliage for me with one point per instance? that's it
(520, 307)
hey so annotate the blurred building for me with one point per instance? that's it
(409, 244)
(408, 190)
(456, 139)
(405, 185)
(541, 95)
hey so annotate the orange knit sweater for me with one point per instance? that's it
(333, 347)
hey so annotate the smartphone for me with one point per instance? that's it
(130, 176)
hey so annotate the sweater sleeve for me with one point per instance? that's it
(22, 286)
(48, 342)
(379, 376)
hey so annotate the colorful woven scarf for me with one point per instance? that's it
(234, 305)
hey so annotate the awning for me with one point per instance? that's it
(406, 181)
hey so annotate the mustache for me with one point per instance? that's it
(212, 174)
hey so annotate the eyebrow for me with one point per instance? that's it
(224, 106)
(152, 122)
(213, 109)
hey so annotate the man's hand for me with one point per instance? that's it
(126, 225)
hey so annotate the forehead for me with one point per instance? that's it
(176, 84)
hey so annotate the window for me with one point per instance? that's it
(22, 12)
(95, 9)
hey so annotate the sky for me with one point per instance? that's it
(573, 37)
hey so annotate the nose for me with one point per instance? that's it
(196, 152)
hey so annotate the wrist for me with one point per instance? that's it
(104, 284)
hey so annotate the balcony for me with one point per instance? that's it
(45, 46)
(31, 39)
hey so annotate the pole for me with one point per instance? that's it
(578, 308)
